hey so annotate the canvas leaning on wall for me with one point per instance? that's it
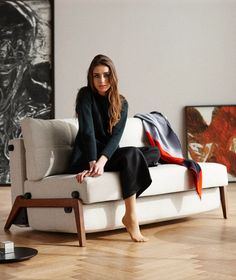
(26, 69)
(211, 135)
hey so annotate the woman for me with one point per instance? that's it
(102, 114)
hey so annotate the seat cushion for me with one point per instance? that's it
(168, 178)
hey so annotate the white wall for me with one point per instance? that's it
(168, 53)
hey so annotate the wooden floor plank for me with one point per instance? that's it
(202, 247)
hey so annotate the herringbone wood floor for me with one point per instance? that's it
(202, 247)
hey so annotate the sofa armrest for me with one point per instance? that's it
(17, 167)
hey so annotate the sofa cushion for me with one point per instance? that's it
(133, 134)
(107, 186)
(48, 145)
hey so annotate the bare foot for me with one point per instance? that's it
(132, 227)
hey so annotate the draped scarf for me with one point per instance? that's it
(160, 134)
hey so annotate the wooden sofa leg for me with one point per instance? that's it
(223, 199)
(79, 219)
(16, 207)
(76, 204)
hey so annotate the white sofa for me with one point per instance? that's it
(38, 164)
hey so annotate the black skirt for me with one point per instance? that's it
(132, 163)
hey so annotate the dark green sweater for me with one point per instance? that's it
(93, 139)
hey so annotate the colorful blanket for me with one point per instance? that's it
(159, 133)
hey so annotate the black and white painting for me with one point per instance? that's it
(26, 72)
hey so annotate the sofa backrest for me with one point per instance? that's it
(133, 134)
(48, 146)
(49, 143)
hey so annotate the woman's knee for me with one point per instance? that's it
(131, 151)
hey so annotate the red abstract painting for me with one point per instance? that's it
(211, 135)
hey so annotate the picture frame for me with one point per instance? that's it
(211, 135)
(26, 69)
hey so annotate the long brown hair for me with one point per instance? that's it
(114, 98)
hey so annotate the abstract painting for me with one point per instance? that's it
(211, 135)
(26, 69)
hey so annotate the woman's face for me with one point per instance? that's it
(101, 79)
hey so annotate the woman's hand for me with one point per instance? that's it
(80, 176)
(96, 169)
(91, 165)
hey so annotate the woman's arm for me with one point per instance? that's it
(86, 126)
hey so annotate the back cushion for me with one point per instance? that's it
(48, 145)
(133, 134)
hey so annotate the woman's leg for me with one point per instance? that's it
(132, 166)
(135, 178)
(130, 220)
